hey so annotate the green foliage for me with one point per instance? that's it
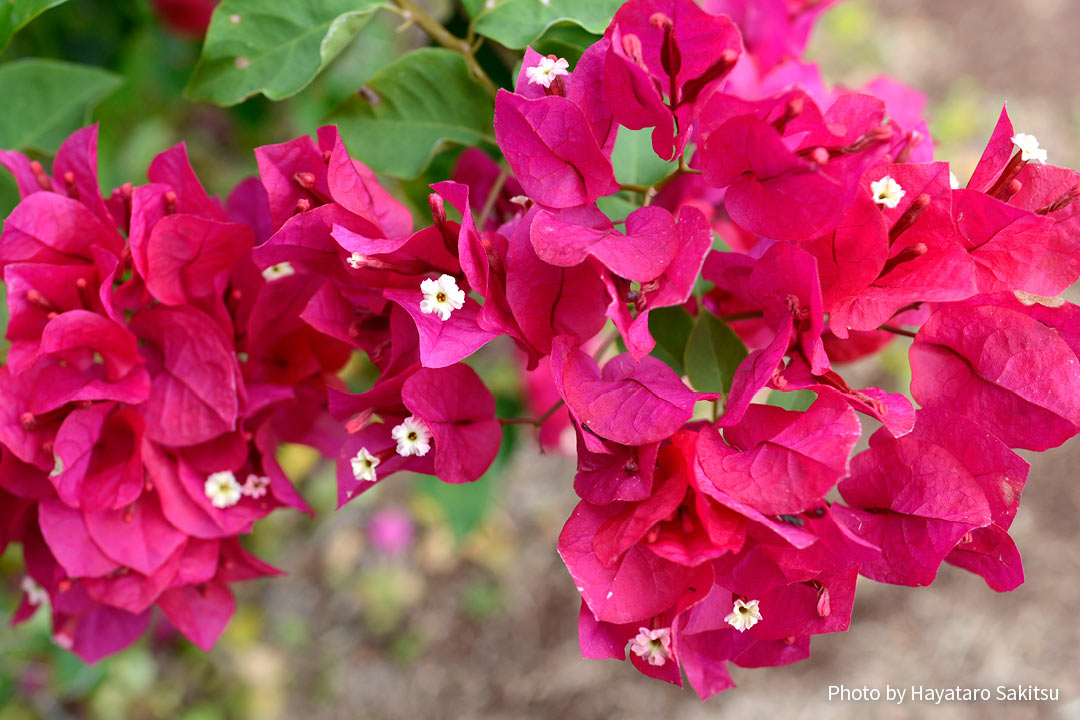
(411, 108)
(45, 100)
(634, 159)
(275, 48)
(713, 351)
(671, 327)
(565, 40)
(15, 14)
(795, 400)
(516, 23)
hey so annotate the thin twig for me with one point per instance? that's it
(448, 40)
(897, 331)
(493, 196)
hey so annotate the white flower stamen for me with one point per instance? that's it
(58, 466)
(279, 270)
(255, 486)
(744, 615)
(887, 192)
(547, 70)
(441, 296)
(653, 645)
(413, 437)
(363, 466)
(1028, 145)
(35, 594)
(223, 489)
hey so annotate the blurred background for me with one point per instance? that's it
(426, 600)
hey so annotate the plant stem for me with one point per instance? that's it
(897, 331)
(448, 40)
(533, 421)
(493, 196)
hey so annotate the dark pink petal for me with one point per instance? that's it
(635, 587)
(52, 228)
(914, 500)
(992, 554)
(553, 153)
(188, 259)
(546, 300)
(105, 630)
(139, 538)
(195, 393)
(200, 612)
(1010, 373)
(173, 168)
(67, 537)
(99, 453)
(785, 462)
(75, 171)
(602, 640)
(443, 342)
(631, 403)
(641, 254)
(354, 186)
(460, 412)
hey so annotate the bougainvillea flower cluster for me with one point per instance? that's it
(163, 344)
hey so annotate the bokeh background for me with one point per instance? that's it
(422, 600)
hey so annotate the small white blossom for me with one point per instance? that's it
(954, 182)
(280, 270)
(653, 645)
(887, 192)
(1029, 147)
(356, 260)
(363, 466)
(412, 436)
(63, 640)
(441, 296)
(223, 489)
(255, 486)
(547, 70)
(744, 615)
(58, 466)
(35, 594)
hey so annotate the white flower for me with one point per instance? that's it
(363, 466)
(547, 70)
(413, 437)
(653, 645)
(35, 594)
(222, 489)
(356, 260)
(255, 486)
(744, 615)
(887, 192)
(58, 466)
(1029, 147)
(954, 182)
(280, 270)
(441, 296)
(63, 640)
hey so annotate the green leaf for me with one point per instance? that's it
(634, 160)
(15, 14)
(713, 351)
(410, 109)
(794, 400)
(275, 48)
(566, 41)
(45, 100)
(516, 23)
(671, 327)
(617, 206)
